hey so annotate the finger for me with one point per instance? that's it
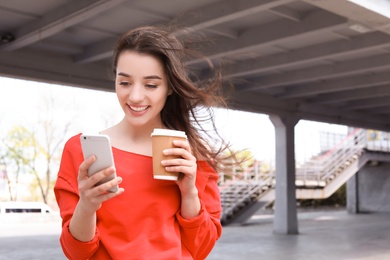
(107, 186)
(183, 144)
(101, 175)
(108, 195)
(178, 162)
(180, 152)
(84, 166)
(179, 165)
(182, 169)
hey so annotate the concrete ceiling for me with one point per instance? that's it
(322, 60)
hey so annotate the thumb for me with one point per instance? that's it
(84, 166)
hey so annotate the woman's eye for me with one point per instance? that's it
(151, 85)
(124, 83)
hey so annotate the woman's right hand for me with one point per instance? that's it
(91, 196)
(83, 223)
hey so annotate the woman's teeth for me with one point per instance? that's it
(138, 109)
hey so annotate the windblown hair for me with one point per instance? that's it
(188, 108)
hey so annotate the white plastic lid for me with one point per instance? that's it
(168, 132)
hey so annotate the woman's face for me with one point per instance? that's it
(141, 87)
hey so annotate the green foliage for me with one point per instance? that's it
(337, 199)
(23, 153)
(21, 145)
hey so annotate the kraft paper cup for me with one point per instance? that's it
(161, 140)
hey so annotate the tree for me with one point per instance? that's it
(37, 151)
(52, 133)
(19, 152)
(25, 153)
(53, 139)
(12, 185)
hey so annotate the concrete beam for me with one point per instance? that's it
(381, 100)
(357, 13)
(206, 18)
(286, 12)
(335, 85)
(57, 20)
(325, 71)
(315, 23)
(382, 111)
(222, 12)
(308, 54)
(345, 96)
(267, 104)
(33, 65)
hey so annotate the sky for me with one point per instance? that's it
(25, 103)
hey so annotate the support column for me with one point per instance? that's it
(353, 194)
(285, 216)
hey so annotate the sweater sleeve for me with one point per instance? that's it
(200, 234)
(66, 192)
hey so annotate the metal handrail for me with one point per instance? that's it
(322, 168)
(351, 148)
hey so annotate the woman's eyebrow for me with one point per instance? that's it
(152, 77)
(146, 77)
(123, 74)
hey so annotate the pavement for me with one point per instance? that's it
(30, 237)
(325, 234)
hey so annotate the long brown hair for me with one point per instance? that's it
(189, 107)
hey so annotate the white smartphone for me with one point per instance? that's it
(100, 146)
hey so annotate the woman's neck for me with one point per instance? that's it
(131, 138)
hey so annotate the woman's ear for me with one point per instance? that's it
(170, 91)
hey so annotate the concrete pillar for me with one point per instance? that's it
(373, 185)
(353, 194)
(285, 217)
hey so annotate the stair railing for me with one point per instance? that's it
(326, 167)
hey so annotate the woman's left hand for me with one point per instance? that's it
(186, 165)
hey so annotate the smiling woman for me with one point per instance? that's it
(177, 219)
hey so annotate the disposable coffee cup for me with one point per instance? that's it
(163, 139)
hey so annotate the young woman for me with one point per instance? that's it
(146, 218)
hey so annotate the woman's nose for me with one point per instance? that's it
(137, 94)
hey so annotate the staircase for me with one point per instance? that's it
(321, 177)
(318, 178)
(246, 193)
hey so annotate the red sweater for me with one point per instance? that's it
(144, 222)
